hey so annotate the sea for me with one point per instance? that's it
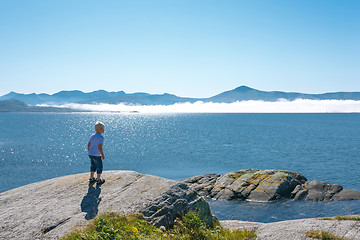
(326, 147)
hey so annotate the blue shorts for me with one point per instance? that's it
(96, 164)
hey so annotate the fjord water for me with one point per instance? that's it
(326, 147)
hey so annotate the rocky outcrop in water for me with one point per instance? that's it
(48, 209)
(322, 191)
(267, 185)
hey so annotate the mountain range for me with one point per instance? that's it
(101, 96)
(13, 105)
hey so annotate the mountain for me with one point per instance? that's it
(246, 93)
(143, 99)
(241, 93)
(100, 96)
(60, 97)
(14, 105)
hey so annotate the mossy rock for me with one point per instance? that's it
(240, 173)
(256, 185)
(267, 185)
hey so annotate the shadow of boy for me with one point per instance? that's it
(90, 202)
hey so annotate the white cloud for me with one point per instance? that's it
(280, 106)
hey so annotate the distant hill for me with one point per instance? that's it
(246, 93)
(143, 99)
(60, 97)
(14, 105)
(100, 96)
(238, 94)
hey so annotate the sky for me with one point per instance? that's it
(185, 47)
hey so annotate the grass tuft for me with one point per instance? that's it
(342, 218)
(323, 235)
(115, 226)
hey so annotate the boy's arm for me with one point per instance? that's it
(101, 151)
(89, 145)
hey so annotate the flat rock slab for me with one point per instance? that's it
(296, 229)
(48, 209)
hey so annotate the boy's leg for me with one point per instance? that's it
(92, 167)
(99, 168)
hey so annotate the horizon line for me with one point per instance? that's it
(163, 93)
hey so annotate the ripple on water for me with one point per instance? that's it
(281, 210)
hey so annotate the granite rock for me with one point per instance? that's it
(175, 202)
(202, 184)
(321, 191)
(48, 209)
(251, 184)
(296, 229)
(266, 186)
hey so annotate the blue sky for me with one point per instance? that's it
(186, 47)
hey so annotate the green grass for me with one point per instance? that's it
(190, 226)
(115, 226)
(323, 235)
(350, 218)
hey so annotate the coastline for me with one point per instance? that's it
(64, 202)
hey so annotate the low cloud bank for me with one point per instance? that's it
(252, 106)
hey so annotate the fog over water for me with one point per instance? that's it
(251, 106)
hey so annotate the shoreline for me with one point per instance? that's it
(64, 202)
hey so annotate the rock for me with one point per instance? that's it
(296, 229)
(177, 201)
(346, 194)
(237, 224)
(48, 209)
(202, 184)
(321, 191)
(300, 195)
(251, 184)
(267, 185)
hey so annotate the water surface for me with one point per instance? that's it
(39, 146)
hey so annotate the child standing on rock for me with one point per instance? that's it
(96, 153)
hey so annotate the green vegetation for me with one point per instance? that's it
(114, 226)
(239, 173)
(351, 218)
(323, 235)
(190, 226)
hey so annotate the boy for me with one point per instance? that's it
(96, 153)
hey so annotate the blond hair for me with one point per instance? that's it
(99, 126)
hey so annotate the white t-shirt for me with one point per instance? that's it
(94, 141)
